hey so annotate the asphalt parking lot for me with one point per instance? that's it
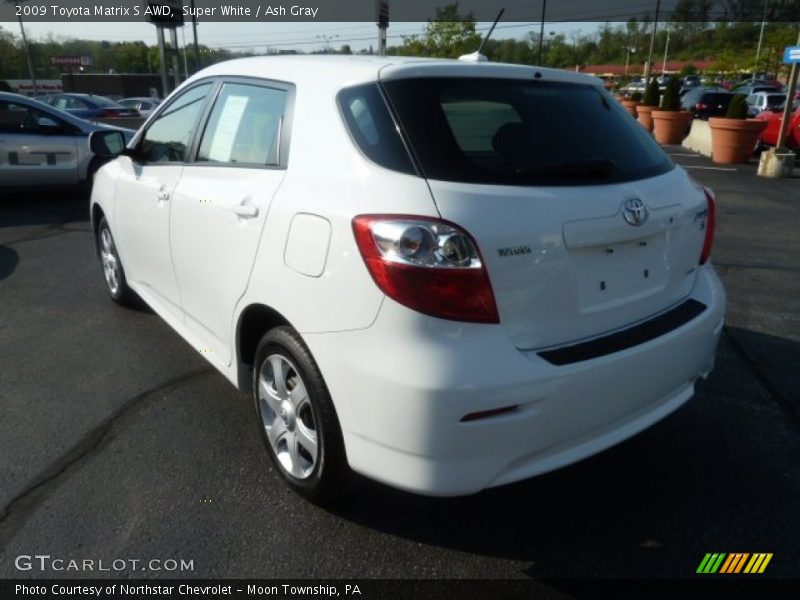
(117, 440)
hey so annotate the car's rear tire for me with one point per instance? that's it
(113, 273)
(296, 417)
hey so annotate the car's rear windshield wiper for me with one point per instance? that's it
(590, 168)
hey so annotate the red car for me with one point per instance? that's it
(770, 135)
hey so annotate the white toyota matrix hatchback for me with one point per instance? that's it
(444, 275)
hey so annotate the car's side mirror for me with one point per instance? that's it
(107, 143)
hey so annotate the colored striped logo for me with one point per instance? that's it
(737, 562)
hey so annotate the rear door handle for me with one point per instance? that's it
(162, 195)
(247, 211)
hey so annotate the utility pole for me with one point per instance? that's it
(174, 50)
(628, 51)
(382, 21)
(171, 19)
(666, 49)
(541, 34)
(162, 57)
(31, 72)
(649, 64)
(185, 62)
(197, 65)
(760, 38)
(327, 39)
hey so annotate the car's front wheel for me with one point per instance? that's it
(113, 273)
(297, 419)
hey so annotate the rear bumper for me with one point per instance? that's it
(402, 387)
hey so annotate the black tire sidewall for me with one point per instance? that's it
(320, 484)
(124, 295)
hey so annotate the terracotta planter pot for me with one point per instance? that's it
(630, 105)
(670, 126)
(734, 140)
(645, 117)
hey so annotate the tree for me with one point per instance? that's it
(672, 98)
(652, 94)
(688, 69)
(449, 35)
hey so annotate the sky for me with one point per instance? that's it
(281, 36)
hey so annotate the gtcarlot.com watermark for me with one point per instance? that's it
(48, 563)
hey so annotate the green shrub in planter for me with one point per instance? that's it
(672, 97)
(651, 93)
(738, 107)
(636, 96)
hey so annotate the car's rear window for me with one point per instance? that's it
(520, 132)
(101, 101)
(717, 98)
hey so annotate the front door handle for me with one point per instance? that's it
(162, 195)
(247, 211)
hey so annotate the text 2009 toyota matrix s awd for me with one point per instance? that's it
(444, 275)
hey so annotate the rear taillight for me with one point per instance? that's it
(700, 106)
(428, 265)
(110, 113)
(710, 224)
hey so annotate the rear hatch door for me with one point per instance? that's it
(583, 222)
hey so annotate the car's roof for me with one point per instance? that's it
(337, 71)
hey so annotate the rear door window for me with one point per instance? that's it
(522, 132)
(245, 126)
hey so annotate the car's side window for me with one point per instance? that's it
(19, 118)
(168, 137)
(371, 126)
(12, 117)
(244, 127)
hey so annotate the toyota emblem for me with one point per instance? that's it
(634, 211)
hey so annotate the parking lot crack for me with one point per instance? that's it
(16, 513)
(52, 231)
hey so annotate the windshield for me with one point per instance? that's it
(519, 132)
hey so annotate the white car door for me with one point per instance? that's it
(221, 203)
(36, 148)
(144, 197)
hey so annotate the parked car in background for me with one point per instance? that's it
(769, 137)
(749, 89)
(41, 145)
(144, 106)
(663, 80)
(491, 273)
(636, 85)
(89, 106)
(707, 102)
(691, 81)
(760, 101)
(761, 81)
